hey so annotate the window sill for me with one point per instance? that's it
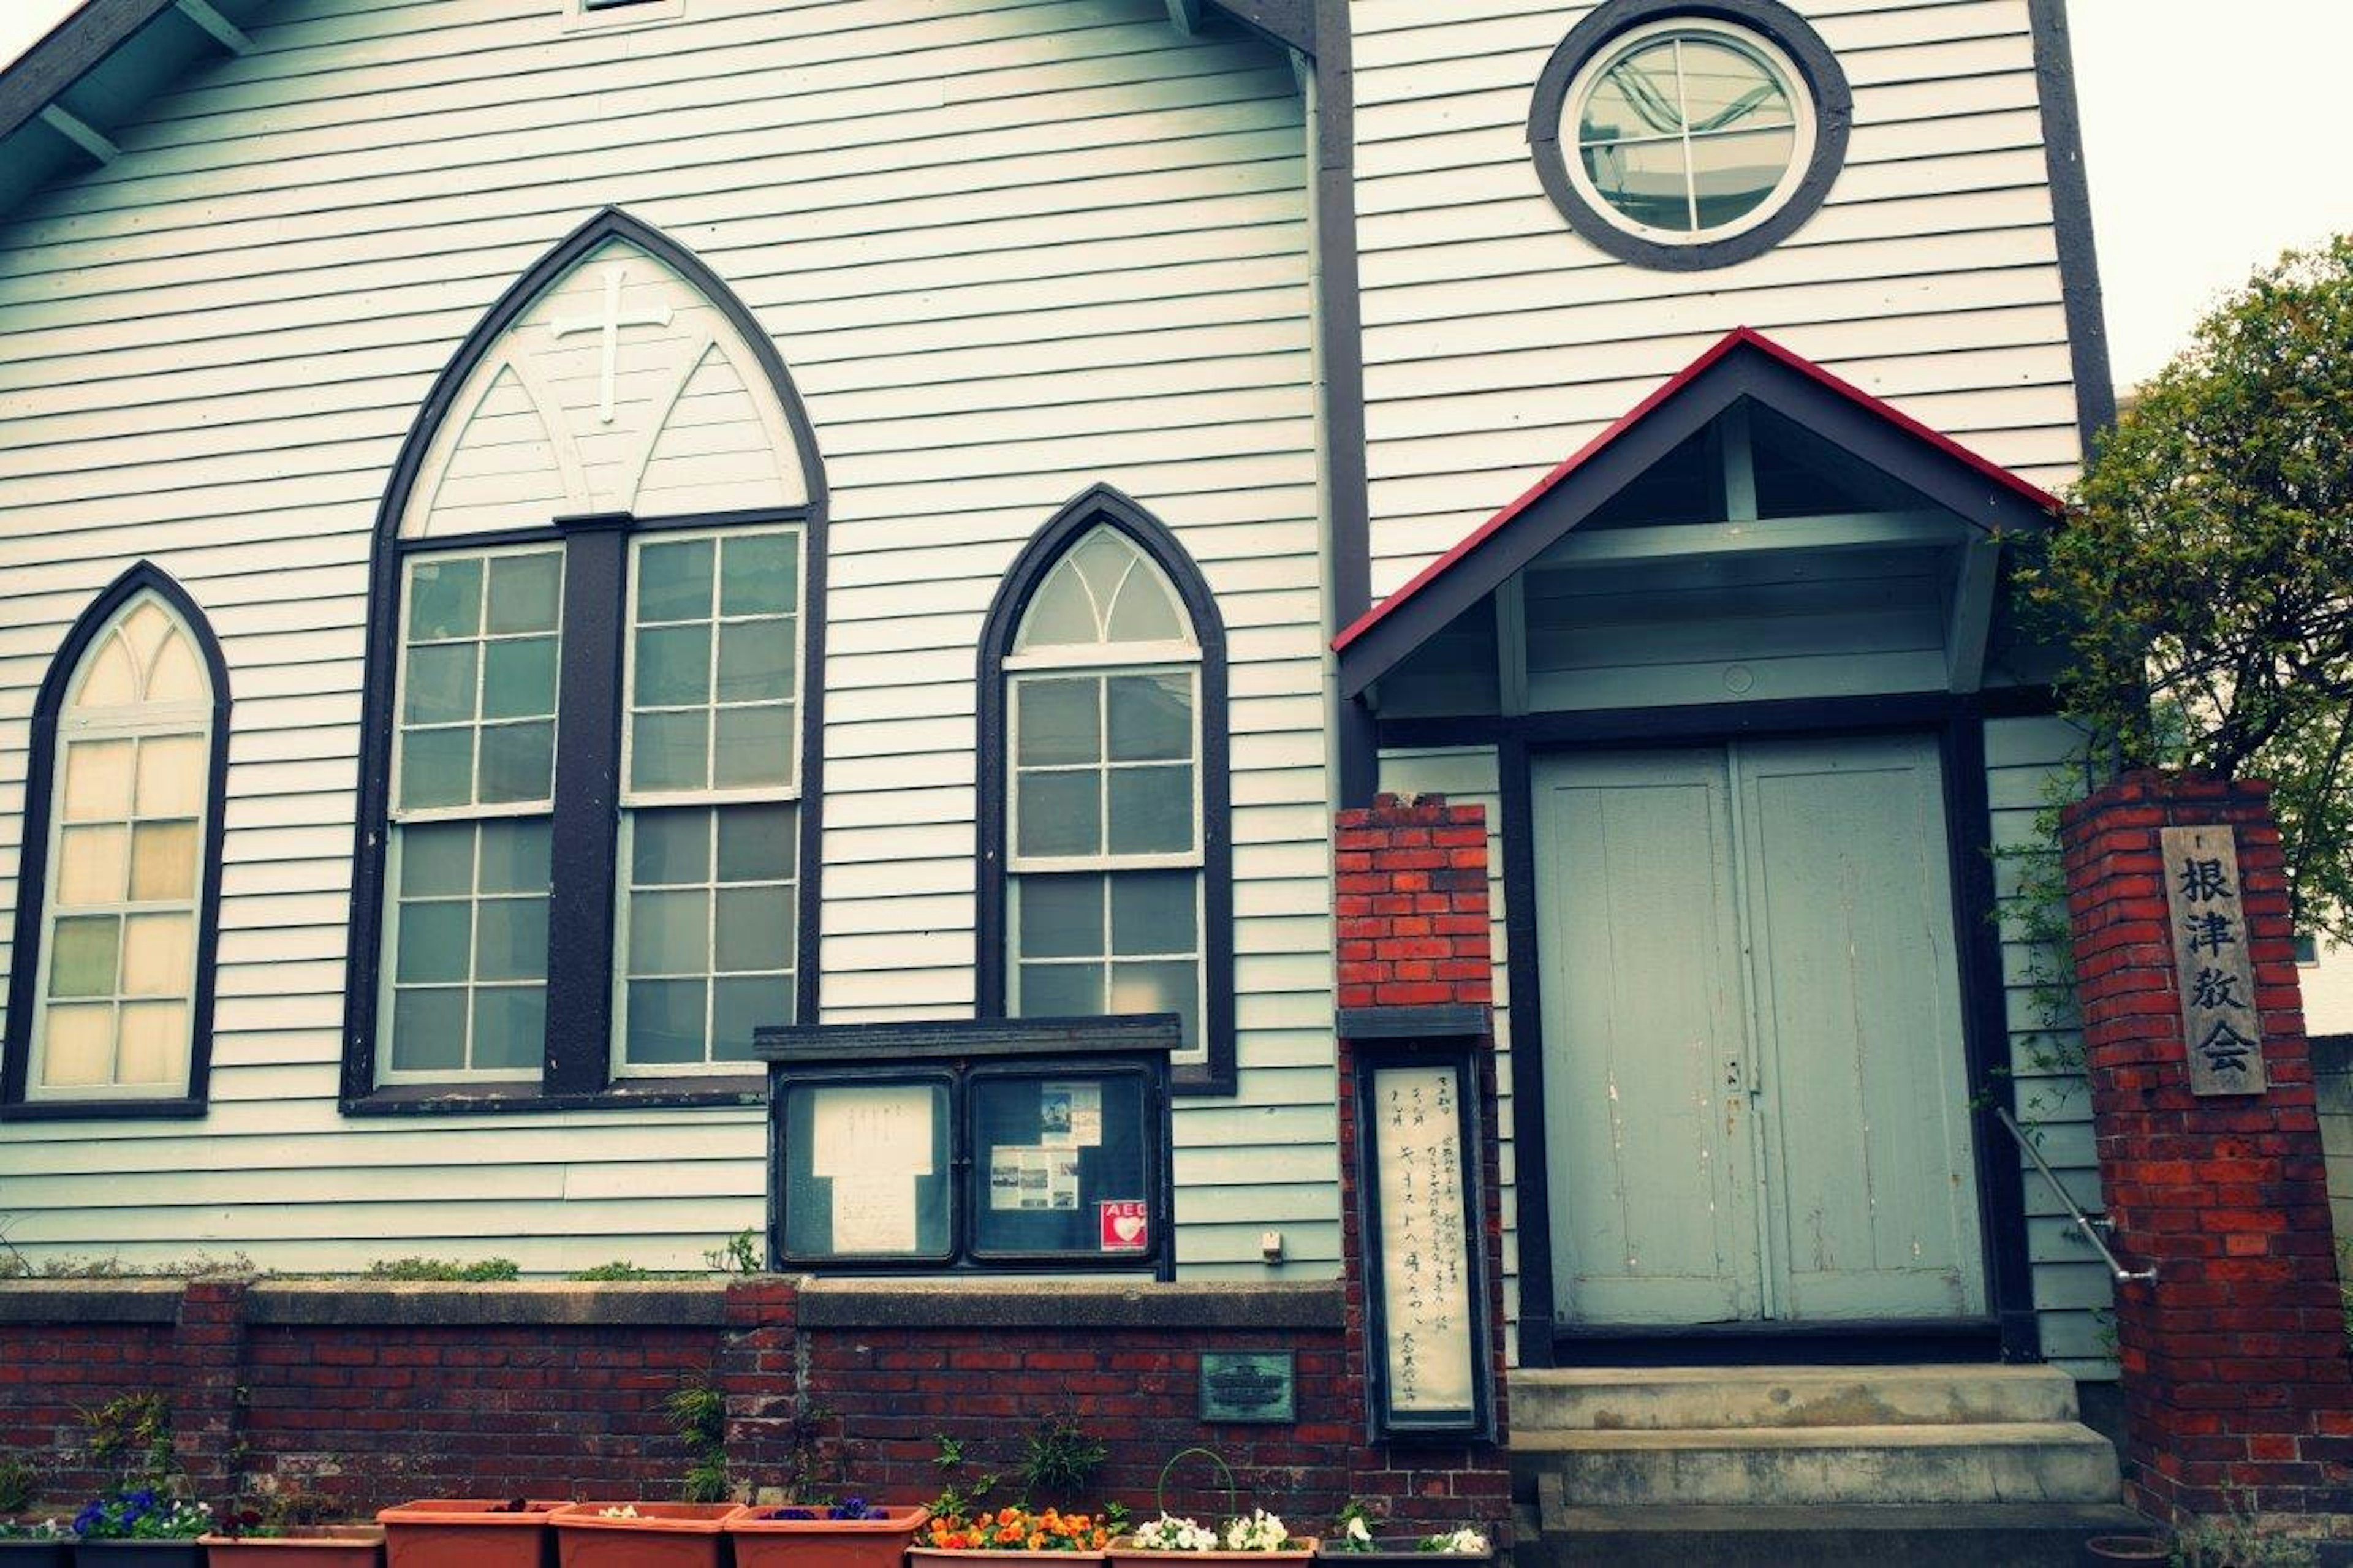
(177, 1110)
(520, 1098)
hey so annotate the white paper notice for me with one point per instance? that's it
(883, 1128)
(1425, 1293)
(874, 1211)
(1070, 1114)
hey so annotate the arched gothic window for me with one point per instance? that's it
(1105, 859)
(110, 982)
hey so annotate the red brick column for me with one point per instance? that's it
(2235, 1373)
(1412, 925)
(759, 1370)
(208, 1401)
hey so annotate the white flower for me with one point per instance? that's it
(1357, 1532)
(1465, 1542)
(1262, 1531)
(1167, 1534)
(623, 1510)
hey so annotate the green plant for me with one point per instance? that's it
(14, 1265)
(698, 1414)
(450, 1270)
(1060, 1460)
(19, 1484)
(616, 1270)
(131, 1435)
(739, 1254)
(2238, 1538)
(958, 1500)
(1354, 1526)
(815, 1461)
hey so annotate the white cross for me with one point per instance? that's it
(610, 323)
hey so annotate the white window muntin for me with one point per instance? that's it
(474, 984)
(1762, 50)
(134, 723)
(479, 809)
(1107, 860)
(1110, 958)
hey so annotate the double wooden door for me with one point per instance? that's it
(1755, 1086)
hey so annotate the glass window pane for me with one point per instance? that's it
(1637, 98)
(670, 750)
(519, 679)
(669, 934)
(445, 599)
(428, 1030)
(154, 1035)
(518, 762)
(158, 954)
(1058, 813)
(515, 857)
(1145, 611)
(77, 1047)
(83, 962)
(143, 629)
(1037, 1181)
(755, 929)
(760, 574)
(673, 667)
(740, 1006)
(1060, 991)
(433, 941)
(510, 940)
(1151, 810)
(674, 580)
(1061, 614)
(510, 1025)
(1151, 718)
(525, 591)
(665, 1022)
(838, 1196)
(113, 678)
(1057, 720)
(177, 675)
(757, 843)
(436, 768)
(1726, 89)
(440, 684)
(97, 781)
(163, 860)
(172, 775)
(756, 662)
(1734, 174)
(1154, 911)
(1162, 988)
(1058, 916)
(437, 858)
(1644, 181)
(90, 865)
(670, 848)
(755, 747)
(1103, 558)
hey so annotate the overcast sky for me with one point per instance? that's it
(2213, 146)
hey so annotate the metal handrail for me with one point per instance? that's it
(2084, 1222)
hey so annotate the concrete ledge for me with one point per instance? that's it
(90, 1301)
(662, 1303)
(1067, 1304)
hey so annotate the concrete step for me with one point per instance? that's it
(1665, 1398)
(1960, 1462)
(1977, 1536)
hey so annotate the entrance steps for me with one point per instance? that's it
(1920, 1465)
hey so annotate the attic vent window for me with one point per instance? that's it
(1677, 140)
(581, 15)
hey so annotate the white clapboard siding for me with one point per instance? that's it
(1497, 342)
(1009, 249)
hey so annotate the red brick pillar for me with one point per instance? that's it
(2235, 1373)
(208, 1401)
(759, 1373)
(1412, 925)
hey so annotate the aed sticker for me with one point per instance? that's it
(1125, 1229)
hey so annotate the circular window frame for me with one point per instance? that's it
(1823, 102)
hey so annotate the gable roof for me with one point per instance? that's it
(1743, 364)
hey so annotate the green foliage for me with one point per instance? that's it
(698, 1414)
(959, 1498)
(740, 1254)
(448, 1270)
(14, 1265)
(815, 1462)
(2204, 579)
(616, 1270)
(1059, 1461)
(20, 1483)
(2238, 1539)
(131, 1435)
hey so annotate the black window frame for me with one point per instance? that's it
(33, 867)
(1103, 505)
(585, 812)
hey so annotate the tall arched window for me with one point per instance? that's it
(1105, 856)
(109, 990)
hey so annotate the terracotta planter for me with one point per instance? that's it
(139, 1554)
(663, 1535)
(1123, 1552)
(462, 1532)
(2103, 1549)
(315, 1546)
(762, 1543)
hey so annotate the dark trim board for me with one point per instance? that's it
(1102, 504)
(2071, 213)
(1720, 721)
(67, 52)
(1893, 1343)
(33, 855)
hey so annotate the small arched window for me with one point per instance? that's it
(1107, 886)
(111, 985)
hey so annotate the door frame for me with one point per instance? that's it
(2011, 1333)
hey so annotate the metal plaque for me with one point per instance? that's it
(1258, 1386)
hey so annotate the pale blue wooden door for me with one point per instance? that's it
(1755, 1091)
(1650, 1157)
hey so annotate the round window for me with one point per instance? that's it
(1692, 136)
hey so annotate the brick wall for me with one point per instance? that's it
(2236, 1383)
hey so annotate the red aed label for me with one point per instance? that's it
(1125, 1229)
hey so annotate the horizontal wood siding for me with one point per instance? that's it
(1497, 340)
(1009, 249)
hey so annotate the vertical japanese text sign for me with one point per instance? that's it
(2219, 1021)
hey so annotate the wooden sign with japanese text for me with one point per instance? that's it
(1423, 1267)
(2219, 1021)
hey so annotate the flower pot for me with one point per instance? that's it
(36, 1553)
(1123, 1552)
(184, 1553)
(1389, 1551)
(2127, 1549)
(463, 1532)
(313, 1546)
(763, 1542)
(663, 1535)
